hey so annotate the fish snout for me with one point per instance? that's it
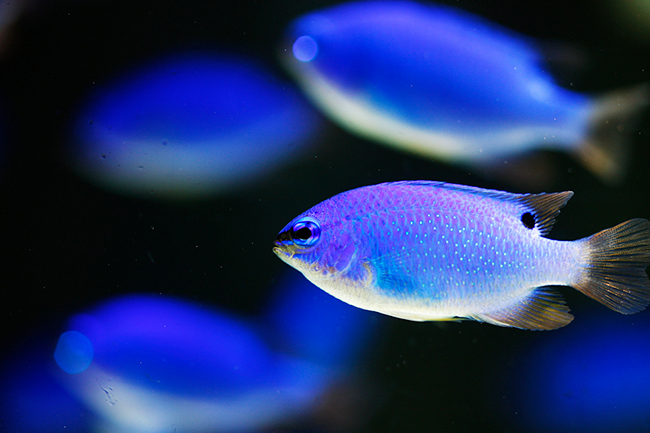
(283, 239)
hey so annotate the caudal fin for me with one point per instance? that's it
(605, 151)
(614, 272)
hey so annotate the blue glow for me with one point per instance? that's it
(32, 400)
(314, 325)
(593, 377)
(74, 352)
(305, 49)
(190, 126)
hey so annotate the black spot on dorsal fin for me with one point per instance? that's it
(528, 220)
(543, 209)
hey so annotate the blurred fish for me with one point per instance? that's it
(423, 250)
(190, 126)
(159, 361)
(446, 84)
(142, 363)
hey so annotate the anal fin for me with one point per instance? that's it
(543, 309)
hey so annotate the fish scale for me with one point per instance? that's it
(458, 260)
(422, 250)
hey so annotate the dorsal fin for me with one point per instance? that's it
(545, 208)
(543, 309)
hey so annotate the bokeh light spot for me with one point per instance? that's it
(305, 48)
(74, 352)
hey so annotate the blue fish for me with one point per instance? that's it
(423, 250)
(449, 85)
(190, 126)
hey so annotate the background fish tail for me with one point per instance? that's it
(615, 273)
(605, 151)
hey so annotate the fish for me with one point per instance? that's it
(448, 85)
(429, 250)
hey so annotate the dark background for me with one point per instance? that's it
(68, 244)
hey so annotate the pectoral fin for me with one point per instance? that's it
(391, 275)
(543, 309)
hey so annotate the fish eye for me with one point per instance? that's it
(305, 233)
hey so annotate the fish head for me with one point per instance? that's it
(317, 244)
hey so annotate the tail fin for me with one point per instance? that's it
(605, 151)
(615, 269)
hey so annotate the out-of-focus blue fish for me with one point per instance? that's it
(446, 84)
(425, 250)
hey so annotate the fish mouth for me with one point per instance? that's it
(280, 249)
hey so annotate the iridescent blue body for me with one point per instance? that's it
(439, 82)
(434, 251)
